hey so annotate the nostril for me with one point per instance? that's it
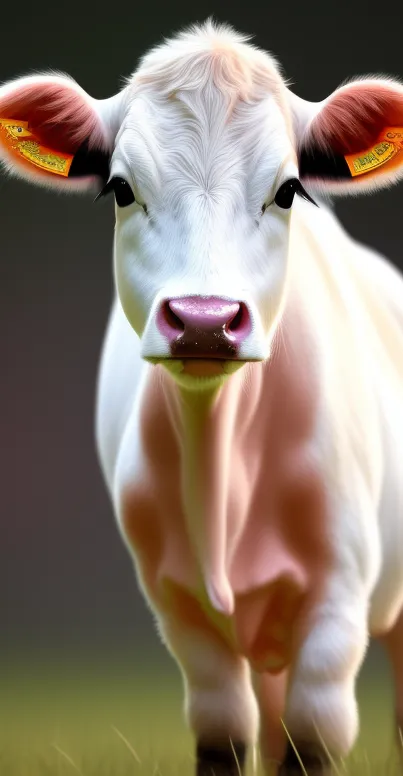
(240, 320)
(236, 320)
(173, 320)
(209, 325)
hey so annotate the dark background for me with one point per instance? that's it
(66, 582)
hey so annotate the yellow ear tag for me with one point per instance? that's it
(17, 137)
(388, 145)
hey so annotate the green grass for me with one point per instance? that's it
(114, 720)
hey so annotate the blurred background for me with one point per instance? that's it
(68, 595)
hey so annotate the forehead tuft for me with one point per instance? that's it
(210, 54)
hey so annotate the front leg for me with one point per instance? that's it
(220, 704)
(321, 712)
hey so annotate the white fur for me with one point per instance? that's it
(195, 173)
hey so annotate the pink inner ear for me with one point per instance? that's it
(58, 115)
(353, 119)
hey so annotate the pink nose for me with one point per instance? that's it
(204, 327)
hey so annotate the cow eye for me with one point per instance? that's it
(287, 191)
(122, 191)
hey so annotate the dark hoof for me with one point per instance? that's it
(314, 759)
(214, 760)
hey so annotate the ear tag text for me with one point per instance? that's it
(387, 146)
(18, 138)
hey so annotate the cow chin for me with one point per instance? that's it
(199, 373)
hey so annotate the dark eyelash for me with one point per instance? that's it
(304, 194)
(105, 191)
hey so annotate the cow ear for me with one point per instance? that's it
(353, 141)
(54, 134)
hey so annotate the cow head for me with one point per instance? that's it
(208, 154)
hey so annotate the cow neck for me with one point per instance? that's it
(208, 425)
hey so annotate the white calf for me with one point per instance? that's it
(250, 401)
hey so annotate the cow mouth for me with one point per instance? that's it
(202, 368)
(205, 369)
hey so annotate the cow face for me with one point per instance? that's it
(203, 213)
(208, 155)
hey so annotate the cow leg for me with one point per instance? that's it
(271, 695)
(220, 704)
(393, 641)
(321, 715)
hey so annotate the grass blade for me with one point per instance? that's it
(127, 744)
(326, 750)
(304, 771)
(68, 758)
(236, 758)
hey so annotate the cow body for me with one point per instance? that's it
(250, 396)
(292, 422)
(300, 458)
